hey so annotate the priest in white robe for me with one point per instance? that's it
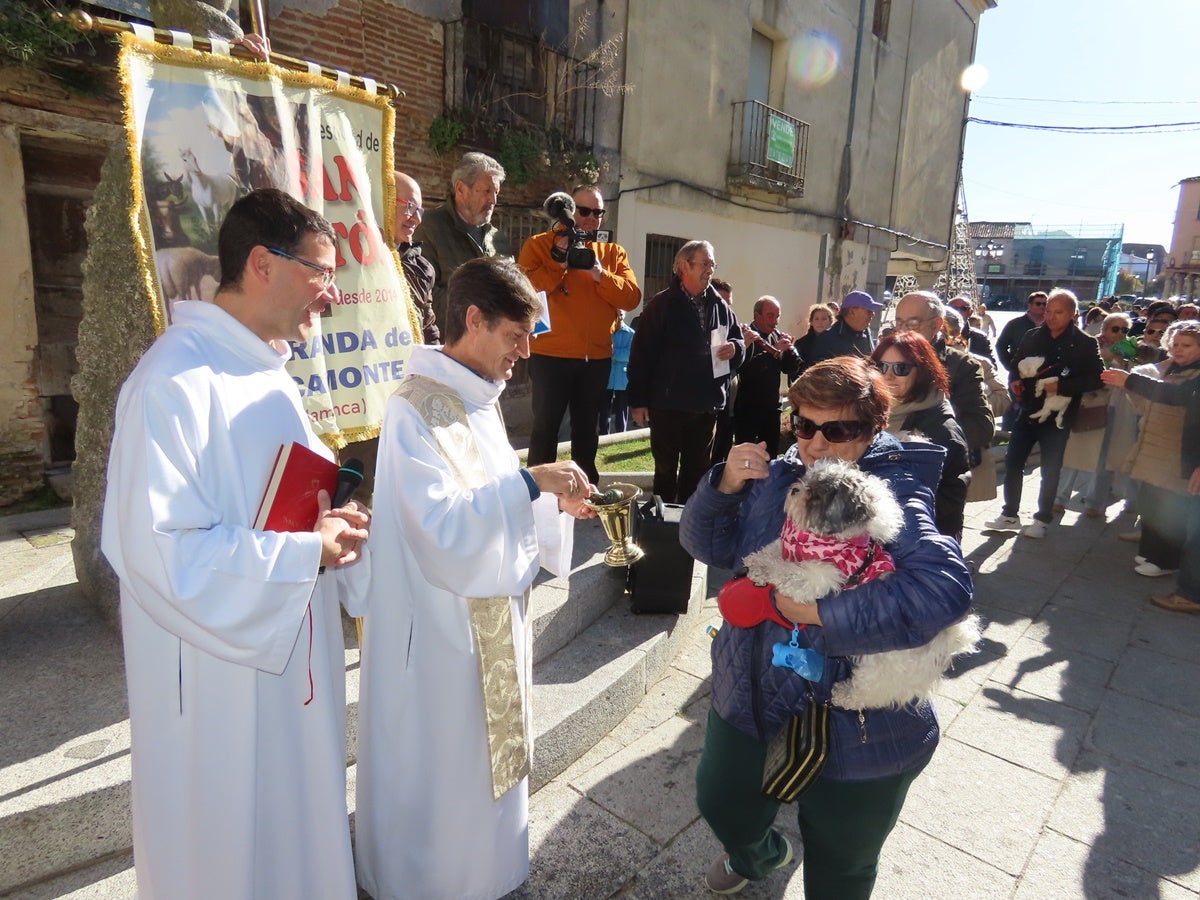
(233, 641)
(444, 743)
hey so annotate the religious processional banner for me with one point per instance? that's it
(204, 129)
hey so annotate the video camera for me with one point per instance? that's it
(559, 207)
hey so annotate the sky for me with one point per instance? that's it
(1084, 63)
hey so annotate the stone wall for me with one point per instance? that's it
(32, 106)
(22, 431)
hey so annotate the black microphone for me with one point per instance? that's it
(350, 476)
(560, 207)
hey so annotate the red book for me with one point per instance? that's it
(290, 501)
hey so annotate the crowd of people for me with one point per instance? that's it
(233, 636)
(1112, 443)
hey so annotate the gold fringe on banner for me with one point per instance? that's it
(82, 21)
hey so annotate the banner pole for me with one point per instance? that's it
(257, 18)
(82, 21)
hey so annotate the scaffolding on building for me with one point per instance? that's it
(958, 278)
(1017, 258)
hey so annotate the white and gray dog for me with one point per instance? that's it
(834, 515)
(1054, 404)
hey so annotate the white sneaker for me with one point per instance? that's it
(1139, 560)
(1150, 570)
(1034, 529)
(1003, 523)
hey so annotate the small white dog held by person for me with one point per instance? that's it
(838, 519)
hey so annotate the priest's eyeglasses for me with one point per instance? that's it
(327, 272)
(838, 432)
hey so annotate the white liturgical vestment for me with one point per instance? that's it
(426, 823)
(234, 652)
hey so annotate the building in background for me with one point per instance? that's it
(1143, 262)
(816, 145)
(817, 150)
(1182, 272)
(1014, 259)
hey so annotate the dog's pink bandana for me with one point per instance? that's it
(859, 559)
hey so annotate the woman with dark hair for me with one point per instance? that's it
(919, 384)
(840, 408)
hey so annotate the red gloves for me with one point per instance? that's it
(744, 604)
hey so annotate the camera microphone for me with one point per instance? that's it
(560, 207)
(350, 476)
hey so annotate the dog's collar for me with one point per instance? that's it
(859, 559)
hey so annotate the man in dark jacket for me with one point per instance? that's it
(419, 274)
(769, 355)
(461, 228)
(1072, 357)
(418, 271)
(977, 342)
(687, 342)
(850, 334)
(921, 311)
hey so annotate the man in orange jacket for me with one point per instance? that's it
(569, 365)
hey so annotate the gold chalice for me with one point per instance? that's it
(614, 506)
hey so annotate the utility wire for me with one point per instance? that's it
(984, 98)
(1156, 128)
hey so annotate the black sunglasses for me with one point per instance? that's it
(835, 432)
(588, 211)
(900, 368)
(1153, 331)
(1120, 328)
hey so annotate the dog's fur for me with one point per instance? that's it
(838, 499)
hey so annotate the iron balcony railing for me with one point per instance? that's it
(768, 149)
(497, 80)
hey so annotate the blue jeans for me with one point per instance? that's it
(1072, 482)
(1053, 443)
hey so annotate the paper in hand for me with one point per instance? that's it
(720, 366)
(542, 325)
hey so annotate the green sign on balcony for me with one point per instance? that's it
(781, 140)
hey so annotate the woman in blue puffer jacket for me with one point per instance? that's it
(840, 411)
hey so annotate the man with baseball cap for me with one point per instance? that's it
(849, 335)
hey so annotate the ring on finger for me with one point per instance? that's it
(745, 463)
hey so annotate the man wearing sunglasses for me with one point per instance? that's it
(1160, 310)
(234, 652)
(569, 365)
(1149, 345)
(977, 342)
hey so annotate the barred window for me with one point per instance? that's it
(660, 256)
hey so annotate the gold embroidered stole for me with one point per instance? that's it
(508, 731)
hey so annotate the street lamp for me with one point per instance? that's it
(1149, 262)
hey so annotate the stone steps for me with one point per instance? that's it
(64, 762)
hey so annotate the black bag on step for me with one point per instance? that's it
(661, 581)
